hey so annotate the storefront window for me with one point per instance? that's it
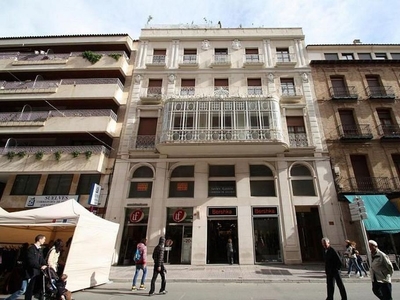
(302, 181)
(141, 183)
(182, 182)
(261, 181)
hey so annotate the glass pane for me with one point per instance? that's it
(303, 187)
(221, 171)
(85, 183)
(181, 189)
(183, 171)
(25, 185)
(143, 172)
(262, 188)
(140, 189)
(222, 189)
(266, 240)
(260, 171)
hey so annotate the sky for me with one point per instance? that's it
(322, 21)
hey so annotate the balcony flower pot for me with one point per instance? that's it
(88, 154)
(21, 154)
(91, 56)
(10, 155)
(75, 154)
(39, 155)
(57, 155)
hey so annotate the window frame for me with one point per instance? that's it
(23, 179)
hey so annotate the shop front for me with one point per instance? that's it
(267, 246)
(221, 226)
(179, 235)
(135, 229)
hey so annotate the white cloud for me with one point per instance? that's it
(322, 21)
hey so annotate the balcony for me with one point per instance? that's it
(189, 62)
(380, 93)
(253, 61)
(298, 140)
(221, 61)
(156, 61)
(291, 94)
(63, 121)
(151, 95)
(41, 60)
(355, 132)
(346, 93)
(187, 91)
(221, 91)
(284, 60)
(73, 159)
(145, 142)
(79, 89)
(370, 185)
(389, 132)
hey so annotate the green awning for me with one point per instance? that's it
(383, 216)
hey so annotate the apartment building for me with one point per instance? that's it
(357, 89)
(63, 101)
(222, 141)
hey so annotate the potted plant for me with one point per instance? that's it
(75, 154)
(116, 56)
(57, 155)
(21, 154)
(10, 155)
(39, 155)
(91, 56)
(88, 154)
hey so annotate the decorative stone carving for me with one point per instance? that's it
(236, 45)
(205, 45)
(138, 78)
(271, 77)
(171, 78)
(304, 76)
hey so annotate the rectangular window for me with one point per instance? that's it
(58, 184)
(221, 55)
(159, 56)
(380, 56)
(347, 56)
(155, 86)
(252, 55)
(303, 188)
(331, 56)
(85, 183)
(262, 188)
(395, 55)
(365, 56)
(221, 171)
(25, 185)
(339, 86)
(189, 51)
(283, 54)
(254, 86)
(187, 87)
(221, 188)
(181, 189)
(140, 189)
(287, 86)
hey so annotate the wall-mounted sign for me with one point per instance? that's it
(136, 216)
(179, 215)
(41, 201)
(94, 197)
(265, 210)
(221, 211)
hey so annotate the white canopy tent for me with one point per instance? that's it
(93, 238)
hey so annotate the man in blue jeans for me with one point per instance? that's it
(21, 291)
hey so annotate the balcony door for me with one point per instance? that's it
(375, 86)
(339, 86)
(349, 125)
(361, 173)
(146, 133)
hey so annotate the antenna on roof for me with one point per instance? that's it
(357, 41)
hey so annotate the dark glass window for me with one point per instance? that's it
(366, 56)
(58, 184)
(25, 185)
(221, 171)
(299, 170)
(260, 171)
(142, 183)
(143, 172)
(85, 183)
(221, 188)
(302, 181)
(181, 189)
(331, 56)
(183, 171)
(261, 181)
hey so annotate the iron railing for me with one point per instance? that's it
(366, 185)
(298, 140)
(343, 93)
(145, 142)
(380, 92)
(361, 131)
(96, 149)
(389, 131)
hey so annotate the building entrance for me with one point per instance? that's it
(180, 251)
(218, 233)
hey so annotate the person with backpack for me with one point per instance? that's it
(351, 254)
(158, 257)
(140, 259)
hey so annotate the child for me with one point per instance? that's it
(360, 263)
(62, 292)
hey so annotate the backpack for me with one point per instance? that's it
(353, 251)
(138, 256)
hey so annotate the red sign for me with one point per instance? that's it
(142, 187)
(182, 186)
(179, 215)
(136, 216)
(269, 210)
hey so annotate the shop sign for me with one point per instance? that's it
(136, 216)
(266, 210)
(221, 211)
(94, 197)
(179, 215)
(42, 201)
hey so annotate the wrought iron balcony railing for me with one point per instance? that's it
(291, 91)
(345, 93)
(298, 140)
(221, 59)
(355, 132)
(254, 90)
(145, 142)
(255, 59)
(380, 92)
(389, 131)
(285, 58)
(366, 185)
(189, 59)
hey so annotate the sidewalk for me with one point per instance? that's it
(238, 273)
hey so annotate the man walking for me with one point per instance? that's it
(158, 257)
(333, 265)
(34, 264)
(141, 264)
(381, 272)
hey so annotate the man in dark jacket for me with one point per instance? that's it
(34, 264)
(158, 257)
(333, 265)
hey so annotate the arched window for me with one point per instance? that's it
(261, 181)
(302, 181)
(182, 182)
(141, 183)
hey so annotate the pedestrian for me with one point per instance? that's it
(333, 265)
(141, 264)
(381, 272)
(21, 266)
(54, 254)
(360, 263)
(352, 258)
(34, 265)
(158, 257)
(229, 251)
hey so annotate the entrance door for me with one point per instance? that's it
(219, 231)
(310, 233)
(132, 236)
(266, 240)
(181, 236)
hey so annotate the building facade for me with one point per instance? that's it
(222, 141)
(63, 102)
(357, 89)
